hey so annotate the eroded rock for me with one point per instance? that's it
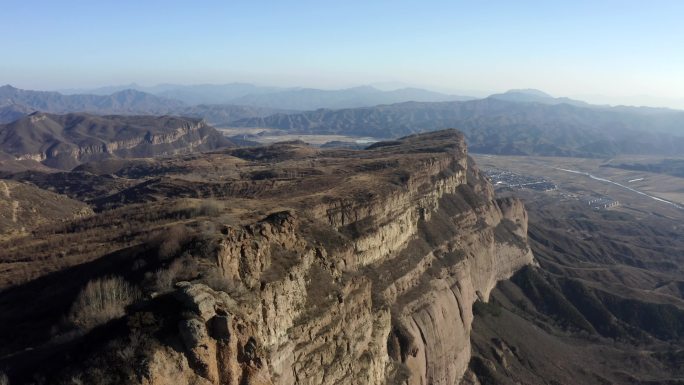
(366, 275)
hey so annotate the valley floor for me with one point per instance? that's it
(606, 305)
(266, 136)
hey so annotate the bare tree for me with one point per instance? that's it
(102, 300)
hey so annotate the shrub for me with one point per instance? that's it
(215, 280)
(171, 242)
(102, 300)
(210, 207)
(486, 308)
(166, 278)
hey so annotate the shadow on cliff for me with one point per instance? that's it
(36, 311)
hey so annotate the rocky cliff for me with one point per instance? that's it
(386, 294)
(360, 269)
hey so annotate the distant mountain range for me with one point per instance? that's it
(519, 122)
(11, 111)
(190, 94)
(310, 99)
(16, 103)
(121, 102)
(218, 104)
(515, 122)
(536, 96)
(301, 99)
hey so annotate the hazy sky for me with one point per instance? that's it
(618, 49)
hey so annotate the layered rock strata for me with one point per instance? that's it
(328, 267)
(374, 286)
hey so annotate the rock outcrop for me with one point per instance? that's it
(361, 267)
(371, 287)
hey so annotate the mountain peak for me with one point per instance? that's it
(529, 92)
(525, 95)
(531, 95)
(125, 102)
(8, 89)
(365, 88)
(128, 91)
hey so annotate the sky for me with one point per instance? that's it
(613, 51)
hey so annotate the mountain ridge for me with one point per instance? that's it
(531, 95)
(126, 101)
(241, 100)
(284, 98)
(518, 122)
(64, 141)
(16, 103)
(497, 126)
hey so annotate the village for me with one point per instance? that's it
(508, 179)
(505, 179)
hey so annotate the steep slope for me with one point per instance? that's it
(605, 308)
(606, 303)
(504, 127)
(309, 266)
(10, 112)
(64, 141)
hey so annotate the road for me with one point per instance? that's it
(621, 185)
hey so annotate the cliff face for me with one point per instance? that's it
(331, 267)
(373, 287)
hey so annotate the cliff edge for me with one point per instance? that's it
(323, 267)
